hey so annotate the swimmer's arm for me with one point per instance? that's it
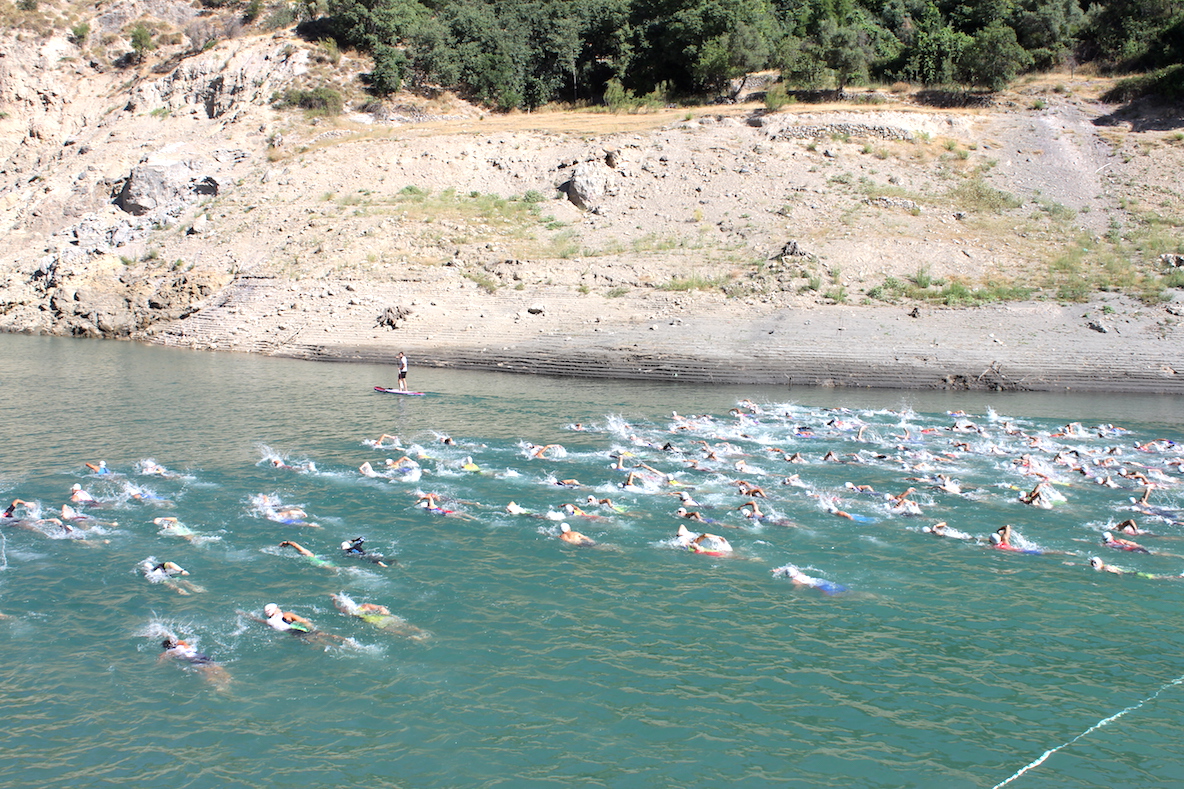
(290, 618)
(300, 549)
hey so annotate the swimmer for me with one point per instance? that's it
(572, 510)
(1096, 563)
(353, 548)
(800, 579)
(447, 441)
(711, 544)
(101, 468)
(686, 499)
(750, 490)
(380, 616)
(313, 559)
(568, 483)
(285, 621)
(171, 527)
(514, 509)
(682, 512)
(293, 516)
(8, 513)
(381, 440)
(568, 535)
(829, 505)
(539, 452)
(1001, 540)
(592, 501)
(666, 478)
(150, 468)
(166, 574)
(631, 480)
(431, 503)
(80, 496)
(307, 467)
(166, 570)
(751, 510)
(288, 622)
(947, 485)
(178, 649)
(865, 489)
(1129, 528)
(940, 529)
(1118, 543)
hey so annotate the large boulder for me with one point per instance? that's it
(591, 182)
(162, 184)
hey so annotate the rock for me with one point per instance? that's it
(590, 184)
(391, 316)
(537, 309)
(161, 184)
(1097, 326)
(791, 249)
(894, 202)
(200, 225)
(1172, 260)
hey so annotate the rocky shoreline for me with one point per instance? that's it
(1112, 346)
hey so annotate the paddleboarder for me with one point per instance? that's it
(402, 371)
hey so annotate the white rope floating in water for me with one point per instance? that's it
(1091, 729)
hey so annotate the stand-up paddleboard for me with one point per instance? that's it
(385, 390)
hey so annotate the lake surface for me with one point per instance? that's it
(520, 660)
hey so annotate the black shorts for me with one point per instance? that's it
(402, 374)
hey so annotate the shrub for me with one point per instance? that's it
(253, 10)
(283, 15)
(389, 66)
(977, 195)
(142, 44)
(79, 33)
(776, 97)
(317, 101)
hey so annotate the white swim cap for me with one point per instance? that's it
(1107, 536)
(270, 610)
(76, 487)
(563, 527)
(345, 545)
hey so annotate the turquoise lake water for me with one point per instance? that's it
(524, 661)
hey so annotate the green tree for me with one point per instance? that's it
(142, 44)
(848, 52)
(993, 58)
(801, 62)
(390, 64)
(933, 58)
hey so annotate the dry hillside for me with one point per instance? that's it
(170, 200)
